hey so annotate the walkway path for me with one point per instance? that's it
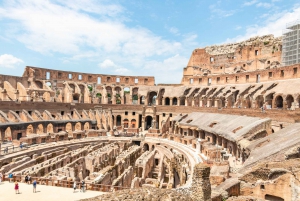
(44, 193)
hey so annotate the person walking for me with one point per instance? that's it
(17, 187)
(29, 179)
(82, 186)
(1, 177)
(34, 186)
(10, 176)
(26, 179)
(74, 186)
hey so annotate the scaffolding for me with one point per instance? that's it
(291, 44)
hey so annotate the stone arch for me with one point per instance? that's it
(69, 127)
(148, 122)
(146, 147)
(279, 101)
(39, 84)
(78, 126)
(76, 97)
(167, 101)
(174, 101)
(86, 126)
(29, 130)
(49, 128)
(289, 101)
(7, 134)
(133, 123)
(125, 123)
(152, 98)
(119, 120)
(269, 98)
(260, 101)
(72, 86)
(40, 129)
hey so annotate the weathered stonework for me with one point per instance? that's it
(201, 189)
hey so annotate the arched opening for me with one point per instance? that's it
(76, 98)
(49, 128)
(7, 134)
(109, 94)
(174, 101)
(40, 129)
(182, 100)
(279, 102)
(167, 101)
(29, 130)
(126, 95)
(119, 119)
(69, 127)
(152, 98)
(39, 84)
(148, 122)
(133, 123)
(272, 197)
(142, 100)
(99, 96)
(118, 95)
(289, 101)
(135, 96)
(260, 101)
(125, 123)
(146, 147)
(49, 84)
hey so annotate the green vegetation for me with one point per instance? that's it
(98, 95)
(266, 42)
(90, 88)
(135, 97)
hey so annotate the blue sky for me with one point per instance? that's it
(129, 37)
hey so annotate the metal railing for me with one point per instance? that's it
(65, 183)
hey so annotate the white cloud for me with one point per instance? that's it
(264, 5)
(218, 12)
(168, 70)
(274, 24)
(9, 61)
(238, 28)
(174, 30)
(250, 3)
(91, 31)
(107, 63)
(121, 71)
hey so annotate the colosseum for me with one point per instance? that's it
(229, 131)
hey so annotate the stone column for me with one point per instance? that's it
(201, 103)
(201, 189)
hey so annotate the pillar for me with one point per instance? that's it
(201, 103)
(201, 188)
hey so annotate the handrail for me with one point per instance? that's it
(65, 183)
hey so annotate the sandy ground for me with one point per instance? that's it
(44, 193)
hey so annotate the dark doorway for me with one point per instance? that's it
(148, 122)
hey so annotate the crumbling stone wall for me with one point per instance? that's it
(201, 189)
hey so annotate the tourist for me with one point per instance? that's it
(29, 179)
(74, 186)
(34, 186)
(6, 150)
(26, 179)
(1, 177)
(10, 176)
(17, 187)
(82, 186)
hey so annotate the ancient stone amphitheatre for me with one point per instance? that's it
(228, 131)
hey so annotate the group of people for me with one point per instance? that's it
(17, 186)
